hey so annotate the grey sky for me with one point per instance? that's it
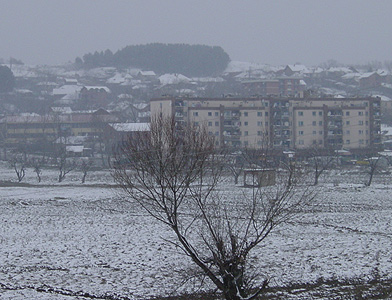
(274, 32)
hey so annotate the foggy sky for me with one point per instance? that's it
(274, 32)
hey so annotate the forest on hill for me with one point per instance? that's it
(189, 60)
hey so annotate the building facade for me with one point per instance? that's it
(285, 123)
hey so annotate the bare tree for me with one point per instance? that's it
(175, 175)
(63, 164)
(235, 164)
(320, 160)
(372, 168)
(85, 167)
(18, 163)
(37, 166)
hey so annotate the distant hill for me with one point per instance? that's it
(189, 60)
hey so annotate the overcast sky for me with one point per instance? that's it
(273, 32)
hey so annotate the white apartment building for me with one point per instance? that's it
(285, 123)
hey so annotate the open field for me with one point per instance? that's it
(85, 238)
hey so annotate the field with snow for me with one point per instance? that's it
(76, 238)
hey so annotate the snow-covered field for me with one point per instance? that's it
(73, 237)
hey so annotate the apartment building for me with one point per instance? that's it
(285, 123)
(234, 122)
(339, 123)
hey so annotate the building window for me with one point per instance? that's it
(360, 131)
(361, 142)
(367, 123)
(313, 113)
(246, 114)
(210, 133)
(320, 113)
(320, 132)
(300, 113)
(259, 123)
(347, 114)
(246, 133)
(360, 122)
(347, 122)
(195, 113)
(320, 123)
(347, 142)
(300, 142)
(245, 123)
(300, 132)
(314, 142)
(314, 123)
(314, 132)
(209, 123)
(266, 123)
(217, 133)
(259, 133)
(266, 113)
(196, 123)
(320, 142)
(300, 123)
(216, 114)
(216, 123)
(360, 113)
(348, 132)
(209, 114)
(259, 114)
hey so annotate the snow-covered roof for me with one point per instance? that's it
(67, 90)
(129, 127)
(240, 66)
(298, 68)
(208, 79)
(23, 91)
(351, 75)
(147, 73)
(386, 130)
(71, 80)
(62, 110)
(125, 96)
(173, 79)
(74, 149)
(383, 98)
(96, 87)
(340, 70)
(116, 79)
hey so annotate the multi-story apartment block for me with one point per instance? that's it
(339, 123)
(285, 123)
(235, 122)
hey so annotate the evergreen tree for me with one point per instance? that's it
(7, 80)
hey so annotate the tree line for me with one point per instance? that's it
(189, 60)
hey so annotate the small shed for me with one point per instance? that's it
(259, 177)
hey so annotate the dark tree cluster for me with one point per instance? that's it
(7, 80)
(189, 60)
